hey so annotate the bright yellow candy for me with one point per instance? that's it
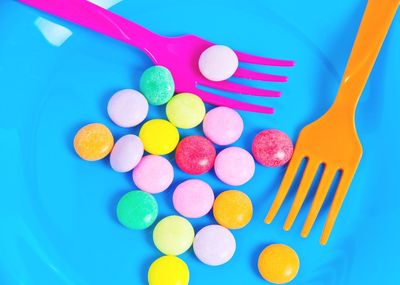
(186, 110)
(168, 270)
(93, 142)
(159, 136)
(278, 264)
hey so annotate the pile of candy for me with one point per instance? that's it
(152, 173)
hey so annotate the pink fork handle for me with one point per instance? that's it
(96, 18)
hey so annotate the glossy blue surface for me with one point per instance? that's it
(57, 212)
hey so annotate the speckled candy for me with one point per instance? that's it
(126, 154)
(272, 148)
(153, 174)
(173, 235)
(137, 210)
(234, 166)
(195, 155)
(168, 270)
(193, 198)
(157, 85)
(214, 245)
(186, 110)
(93, 142)
(127, 108)
(223, 125)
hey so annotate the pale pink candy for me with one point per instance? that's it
(234, 166)
(223, 125)
(126, 153)
(193, 198)
(153, 174)
(127, 108)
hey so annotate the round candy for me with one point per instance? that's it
(127, 108)
(278, 264)
(159, 136)
(234, 166)
(223, 125)
(173, 235)
(233, 209)
(186, 110)
(153, 174)
(272, 148)
(137, 210)
(93, 142)
(218, 63)
(126, 153)
(214, 245)
(193, 198)
(195, 155)
(168, 270)
(157, 85)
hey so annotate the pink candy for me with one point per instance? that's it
(195, 155)
(193, 198)
(272, 148)
(234, 166)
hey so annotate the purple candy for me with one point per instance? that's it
(126, 154)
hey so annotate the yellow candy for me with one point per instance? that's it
(278, 264)
(168, 270)
(93, 142)
(186, 110)
(159, 136)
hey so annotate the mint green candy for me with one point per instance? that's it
(137, 210)
(157, 85)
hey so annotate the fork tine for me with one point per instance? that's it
(241, 89)
(306, 180)
(319, 198)
(340, 194)
(284, 188)
(254, 75)
(223, 101)
(249, 58)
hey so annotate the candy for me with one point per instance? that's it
(234, 166)
(173, 235)
(214, 245)
(223, 125)
(278, 263)
(137, 210)
(218, 63)
(157, 85)
(153, 174)
(126, 153)
(168, 270)
(159, 136)
(272, 148)
(186, 110)
(195, 155)
(93, 142)
(127, 108)
(193, 198)
(233, 209)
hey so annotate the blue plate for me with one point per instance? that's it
(57, 211)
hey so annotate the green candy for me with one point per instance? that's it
(137, 210)
(157, 85)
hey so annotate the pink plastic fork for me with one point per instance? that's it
(179, 54)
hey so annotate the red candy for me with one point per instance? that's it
(272, 148)
(195, 155)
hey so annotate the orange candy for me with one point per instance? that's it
(278, 264)
(233, 209)
(93, 142)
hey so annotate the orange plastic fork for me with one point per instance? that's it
(332, 140)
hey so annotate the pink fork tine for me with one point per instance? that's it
(254, 75)
(254, 59)
(241, 89)
(223, 101)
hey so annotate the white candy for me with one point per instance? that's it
(127, 153)
(218, 63)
